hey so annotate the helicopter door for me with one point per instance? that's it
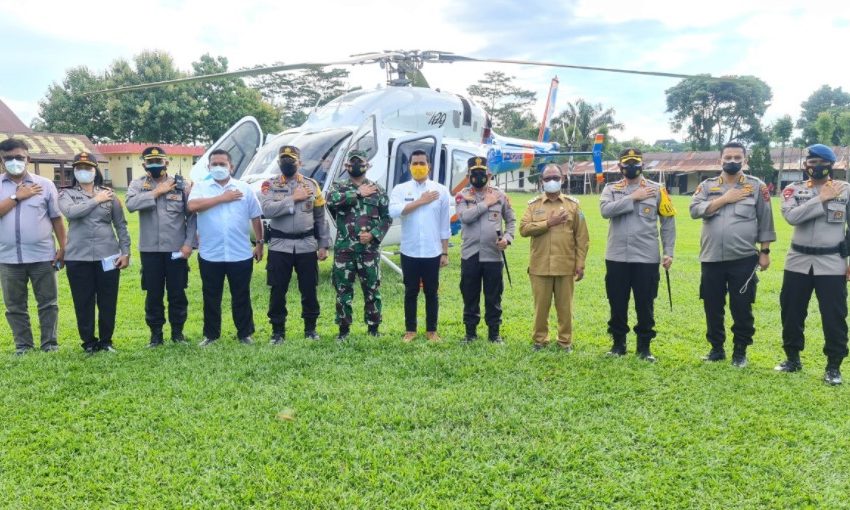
(403, 147)
(365, 138)
(242, 141)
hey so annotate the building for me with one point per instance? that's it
(124, 160)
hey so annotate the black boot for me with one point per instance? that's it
(715, 354)
(791, 364)
(471, 334)
(618, 348)
(643, 351)
(310, 330)
(739, 356)
(373, 331)
(343, 333)
(177, 334)
(156, 337)
(493, 335)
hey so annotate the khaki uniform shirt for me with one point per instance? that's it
(165, 223)
(558, 250)
(295, 218)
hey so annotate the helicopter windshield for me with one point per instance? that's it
(317, 152)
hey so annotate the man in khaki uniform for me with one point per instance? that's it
(559, 243)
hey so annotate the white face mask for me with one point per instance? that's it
(551, 186)
(84, 176)
(15, 167)
(219, 172)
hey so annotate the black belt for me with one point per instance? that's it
(808, 250)
(277, 234)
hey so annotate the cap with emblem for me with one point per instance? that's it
(290, 151)
(153, 152)
(84, 158)
(821, 151)
(477, 162)
(630, 155)
(357, 154)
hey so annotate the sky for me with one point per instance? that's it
(793, 46)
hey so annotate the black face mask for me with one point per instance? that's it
(155, 170)
(357, 168)
(478, 179)
(631, 171)
(732, 168)
(819, 171)
(288, 167)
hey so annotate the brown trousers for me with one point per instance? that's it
(543, 288)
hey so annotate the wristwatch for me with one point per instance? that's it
(766, 251)
(259, 241)
(15, 198)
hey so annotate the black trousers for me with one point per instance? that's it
(424, 271)
(831, 291)
(92, 286)
(473, 275)
(621, 280)
(212, 284)
(718, 279)
(279, 268)
(161, 273)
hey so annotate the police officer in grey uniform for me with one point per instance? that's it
(634, 207)
(94, 255)
(298, 240)
(166, 238)
(818, 209)
(735, 209)
(489, 224)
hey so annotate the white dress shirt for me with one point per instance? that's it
(424, 229)
(224, 230)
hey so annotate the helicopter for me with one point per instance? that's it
(389, 124)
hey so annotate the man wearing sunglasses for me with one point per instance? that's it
(559, 243)
(29, 221)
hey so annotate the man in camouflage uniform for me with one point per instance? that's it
(361, 210)
(299, 239)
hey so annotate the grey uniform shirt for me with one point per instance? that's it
(633, 226)
(730, 233)
(295, 218)
(481, 224)
(26, 232)
(92, 227)
(817, 224)
(165, 223)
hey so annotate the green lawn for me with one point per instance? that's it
(376, 423)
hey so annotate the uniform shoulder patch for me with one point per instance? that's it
(264, 189)
(535, 199)
(459, 198)
(788, 192)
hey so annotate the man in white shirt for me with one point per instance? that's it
(423, 206)
(225, 208)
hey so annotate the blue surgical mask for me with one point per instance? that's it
(84, 176)
(219, 172)
(15, 167)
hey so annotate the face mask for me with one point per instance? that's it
(819, 171)
(288, 167)
(552, 186)
(478, 178)
(155, 170)
(357, 169)
(732, 168)
(219, 172)
(631, 171)
(419, 172)
(15, 167)
(84, 176)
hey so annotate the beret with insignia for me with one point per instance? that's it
(84, 158)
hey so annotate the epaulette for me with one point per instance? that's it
(618, 184)
(535, 199)
(570, 197)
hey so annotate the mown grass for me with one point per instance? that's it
(377, 423)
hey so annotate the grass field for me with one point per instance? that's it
(377, 423)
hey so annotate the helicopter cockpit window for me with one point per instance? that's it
(317, 152)
(402, 160)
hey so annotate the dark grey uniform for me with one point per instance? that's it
(729, 256)
(481, 260)
(92, 231)
(298, 230)
(165, 226)
(816, 262)
(632, 256)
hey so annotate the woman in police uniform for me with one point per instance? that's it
(94, 255)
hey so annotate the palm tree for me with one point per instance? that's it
(576, 126)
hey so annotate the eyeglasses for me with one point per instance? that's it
(551, 178)
(14, 158)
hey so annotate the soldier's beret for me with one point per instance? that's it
(478, 162)
(153, 152)
(821, 151)
(84, 158)
(290, 151)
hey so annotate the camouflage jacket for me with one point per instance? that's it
(354, 214)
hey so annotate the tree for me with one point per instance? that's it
(781, 133)
(760, 164)
(66, 110)
(716, 111)
(581, 121)
(297, 93)
(822, 100)
(504, 101)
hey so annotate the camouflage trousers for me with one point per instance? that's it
(366, 266)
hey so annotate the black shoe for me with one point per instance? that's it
(22, 350)
(468, 339)
(177, 335)
(246, 340)
(312, 335)
(789, 365)
(646, 356)
(342, 336)
(91, 350)
(276, 339)
(108, 348)
(617, 350)
(156, 339)
(538, 347)
(739, 360)
(207, 342)
(373, 331)
(832, 376)
(496, 339)
(715, 355)
(50, 348)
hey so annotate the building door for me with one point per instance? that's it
(129, 176)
